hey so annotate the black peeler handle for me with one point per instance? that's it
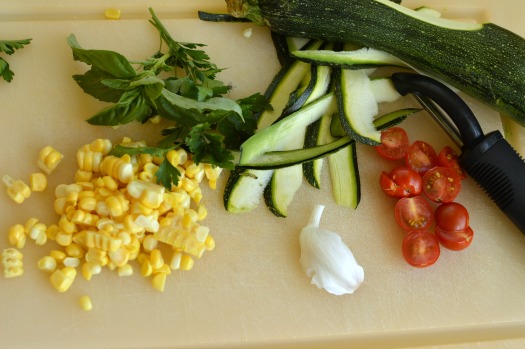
(488, 159)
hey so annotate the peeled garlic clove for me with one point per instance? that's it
(327, 260)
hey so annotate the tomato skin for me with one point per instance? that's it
(394, 143)
(452, 216)
(447, 157)
(421, 249)
(454, 240)
(421, 157)
(413, 213)
(401, 182)
(441, 184)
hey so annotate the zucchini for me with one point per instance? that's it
(356, 59)
(279, 90)
(384, 90)
(244, 189)
(344, 174)
(474, 58)
(357, 105)
(276, 136)
(315, 136)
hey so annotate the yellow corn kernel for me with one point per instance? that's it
(118, 168)
(158, 281)
(190, 217)
(88, 204)
(38, 181)
(125, 270)
(175, 260)
(119, 257)
(100, 145)
(62, 190)
(150, 223)
(48, 159)
(67, 226)
(12, 262)
(71, 262)
(89, 269)
(189, 184)
(131, 226)
(75, 250)
(149, 243)
(64, 239)
(209, 244)
(62, 279)
(148, 194)
(142, 257)
(60, 205)
(195, 171)
(156, 259)
(117, 205)
(112, 13)
(88, 160)
(47, 264)
(109, 183)
(148, 173)
(186, 262)
(133, 247)
(58, 255)
(17, 236)
(83, 176)
(165, 268)
(85, 303)
(146, 268)
(38, 232)
(52, 231)
(16, 189)
(155, 119)
(144, 159)
(97, 256)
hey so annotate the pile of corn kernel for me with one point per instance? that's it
(116, 213)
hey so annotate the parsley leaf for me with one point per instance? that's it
(207, 146)
(167, 174)
(9, 47)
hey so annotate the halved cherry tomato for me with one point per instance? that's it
(451, 216)
(455, 240)
(414, 213)
(421, 157)
(401, 182)
(447, 157)
(441, 184)
(394, 143)
(421, 249)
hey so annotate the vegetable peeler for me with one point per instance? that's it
(489, 159)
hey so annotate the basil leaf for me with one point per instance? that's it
(151, 84)
(93, 83)
(214, 103)
(109, 61)
(131, 107)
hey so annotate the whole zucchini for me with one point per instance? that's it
(483, 60)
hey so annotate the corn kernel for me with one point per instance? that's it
(89, 269)
(12, 262)
(100, 145)
(64, 239)
(52, 231)
(71, 262)
(125, 270)
(17, 236)
(176, 258)
(209, 243)
(146, 268)
(118, 168)
(48, 159)
(38, 182)
(156, 259)
(83, 176)
(150, 195)
(186, 262)
(158, 281)
(47, 264)
(202, 212)
(85, 303)
(58, 255)
(149, 243)
(112, 13)
(119, 257)
(16, 189)
(62, 279)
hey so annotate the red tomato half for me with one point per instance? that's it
(413, 213)
(401, 182)
(394, 143)
(420, 249)
(447, 157)
(421, 157)
(451, 216)
(441, 184)
(455, 240)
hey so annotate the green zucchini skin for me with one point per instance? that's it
(487, 63)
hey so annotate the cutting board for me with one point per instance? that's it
(250, 290)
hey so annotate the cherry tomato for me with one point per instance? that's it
(421, 157)
(401, 182)
(441, 184)
(455, 240)
(414, 213)
(451, 216)
(420, 248)
(394, 143)
(447, 157)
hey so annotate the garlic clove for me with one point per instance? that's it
(327, 260)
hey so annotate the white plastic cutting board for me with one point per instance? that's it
(250, 290)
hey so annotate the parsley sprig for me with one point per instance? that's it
(9, 47)
(178, 82)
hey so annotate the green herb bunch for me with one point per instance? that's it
(9, 47)
(179, 84)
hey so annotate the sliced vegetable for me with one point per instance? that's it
(401, 182)
(344, 173)
(447, 157)
(413, 213)
(394, 143)
(441, 184)
(244, 189)
(421, 157)
(316, 134)
(420, 249)
(452, 216)
(455, 240)
(384, 90)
